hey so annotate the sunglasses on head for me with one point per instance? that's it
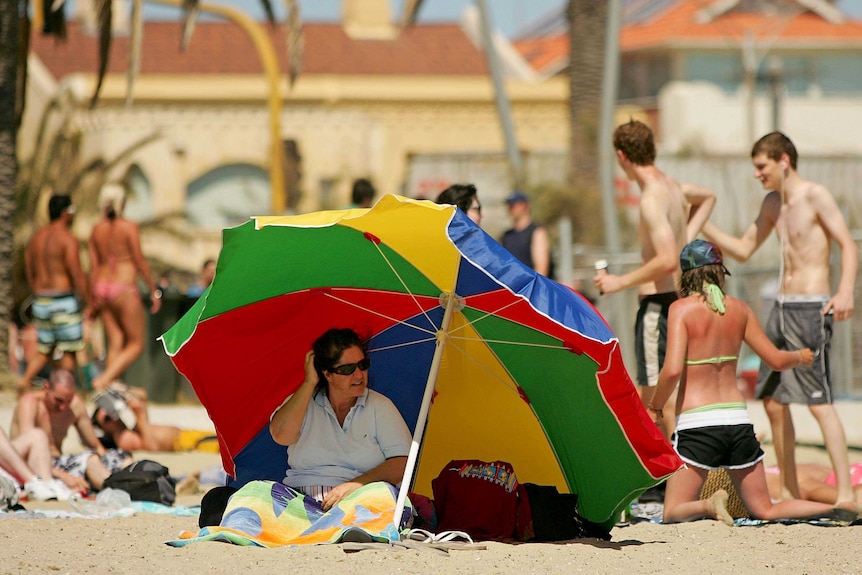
(349, 368)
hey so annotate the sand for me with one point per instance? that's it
(136, 545)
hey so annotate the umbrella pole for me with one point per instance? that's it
(442, 337)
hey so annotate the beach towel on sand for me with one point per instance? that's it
(271, 514)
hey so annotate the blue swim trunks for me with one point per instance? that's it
(58, 323)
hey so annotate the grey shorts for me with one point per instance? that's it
(76, 463)
(792, 325)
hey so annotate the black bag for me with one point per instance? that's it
(145, 480)
(555, 516)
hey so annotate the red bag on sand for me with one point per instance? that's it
(481, 498)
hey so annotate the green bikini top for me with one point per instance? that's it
(712, 360)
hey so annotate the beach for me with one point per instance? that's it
(136, 544)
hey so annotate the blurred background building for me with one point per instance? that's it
(413, 109)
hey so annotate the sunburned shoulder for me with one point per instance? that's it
(696, 301)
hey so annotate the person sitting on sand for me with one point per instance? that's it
(115, 429)
(54, 410)
(335, 386)
(347, 448)
(816, 482)
(27, 460)
(706, 329)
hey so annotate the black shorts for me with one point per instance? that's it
(651, 336)
(712, 446)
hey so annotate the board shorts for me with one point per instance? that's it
(58, 323)
(651, 336)
(797, 322)
(76, 463)
(717, 437)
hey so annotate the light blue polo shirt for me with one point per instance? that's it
(329, 454)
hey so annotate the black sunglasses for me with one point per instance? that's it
(349, 368)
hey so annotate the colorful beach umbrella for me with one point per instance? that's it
(484, 358)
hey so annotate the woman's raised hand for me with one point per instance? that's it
(311, 376)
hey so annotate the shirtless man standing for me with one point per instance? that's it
(806, 219)
(54, 410)
(671, 215)
(55, 276)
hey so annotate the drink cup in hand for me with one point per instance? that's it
(601, 269)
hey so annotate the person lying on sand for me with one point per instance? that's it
(816, 482)
(122, 421)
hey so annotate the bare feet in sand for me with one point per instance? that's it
(718, 502)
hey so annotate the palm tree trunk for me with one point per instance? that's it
(586, 63)
(9, 26)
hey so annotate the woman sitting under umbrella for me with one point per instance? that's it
(340, 434)
(706, 329)
(347, 449)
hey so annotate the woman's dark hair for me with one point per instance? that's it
(460, 195)
(693, 281)
(328, 349)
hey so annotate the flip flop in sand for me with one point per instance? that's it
(446, 540)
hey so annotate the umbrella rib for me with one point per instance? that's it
(485, 315)
(503, 341)
(404, 344)
(404, 284)
(493, 313)
(392, 319)
(480, 364)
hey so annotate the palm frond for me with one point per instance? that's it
(270, 15)
(295, 40)
(21, 80)
(105, 166)
(105, 14)
(136, 41)
(54, 18)
(172, 223)
(190, 18)
(411, 11)
(47, 152)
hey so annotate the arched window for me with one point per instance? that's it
(139, 196)
(227, 196)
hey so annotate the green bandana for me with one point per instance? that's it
(714, 298)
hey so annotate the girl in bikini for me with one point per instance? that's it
(116, 262)
(706, 329)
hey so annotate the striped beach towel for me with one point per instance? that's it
(271, 514)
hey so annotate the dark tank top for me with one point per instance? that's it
(519, 242)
